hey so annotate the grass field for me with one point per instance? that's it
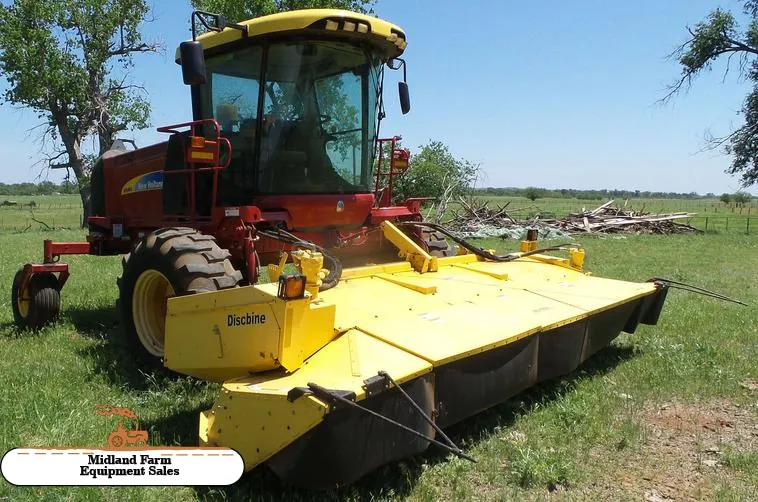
(671, 411)
(64, 211)
(56, 211)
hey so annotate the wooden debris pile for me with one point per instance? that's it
(477, 211)
(474, 216)
(608, 218)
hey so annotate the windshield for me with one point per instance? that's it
(318, 116)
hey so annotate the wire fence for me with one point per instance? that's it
(43, 207)
(710, 217)
(744, 224)
(720, 224)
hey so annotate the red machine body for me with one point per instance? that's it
(343, 223)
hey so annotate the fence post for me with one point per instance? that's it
(747, 230)
(706, 223)
(727, 224)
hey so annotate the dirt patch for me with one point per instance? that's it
(683, 453)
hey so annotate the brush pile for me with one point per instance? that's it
(475, 218)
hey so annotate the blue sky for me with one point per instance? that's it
(554, 94)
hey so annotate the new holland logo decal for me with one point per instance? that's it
(143, 183)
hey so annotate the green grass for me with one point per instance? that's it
(562, 435)
(57, 211)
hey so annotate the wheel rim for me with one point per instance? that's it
(149, 309)
(23, 300)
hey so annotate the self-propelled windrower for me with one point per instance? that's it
(386, 334)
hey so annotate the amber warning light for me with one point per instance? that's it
(291, 286)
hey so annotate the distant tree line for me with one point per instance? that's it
(429, 167)
(736, 198)
(533, 193)
(43, 188)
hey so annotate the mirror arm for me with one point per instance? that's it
(221, 23)
(402, 63)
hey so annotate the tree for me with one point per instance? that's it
(720, 36)
(725, 198)
(69, 62)
(741, 198)
(532, 193)
(433, 170)
(240, 10)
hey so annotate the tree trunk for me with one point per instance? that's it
(84, 193)
(72, 142)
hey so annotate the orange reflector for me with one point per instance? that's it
(197, 141)
(291, 287)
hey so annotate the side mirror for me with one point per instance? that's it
(405, 97)
(193, 63)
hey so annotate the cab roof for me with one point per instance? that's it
(388, 38)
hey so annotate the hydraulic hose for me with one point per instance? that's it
(697, 290)
(486, 254)
(331, 262)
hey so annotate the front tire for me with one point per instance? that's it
(38, 304)
(168, 262)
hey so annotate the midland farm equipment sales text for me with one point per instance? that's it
(157, 466)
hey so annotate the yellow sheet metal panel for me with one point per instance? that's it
(589, 293)
(492, 273)
(456, 284)
(452, 332)
(380, 32)
(258, 425)
(472, 308)
(225, 333)
(308, 326)
(574, 288)
(361, 299)
(260, 293)
(252, 414)
(410, 284)
(342, 364)
(458, 259)
(368, 271)
(233, 332)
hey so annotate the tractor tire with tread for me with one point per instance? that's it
(168, 262)
(39, 305)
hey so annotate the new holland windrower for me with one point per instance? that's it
(388, 329)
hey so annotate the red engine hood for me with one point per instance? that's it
(309, 212)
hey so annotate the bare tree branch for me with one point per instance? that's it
(34, 219)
